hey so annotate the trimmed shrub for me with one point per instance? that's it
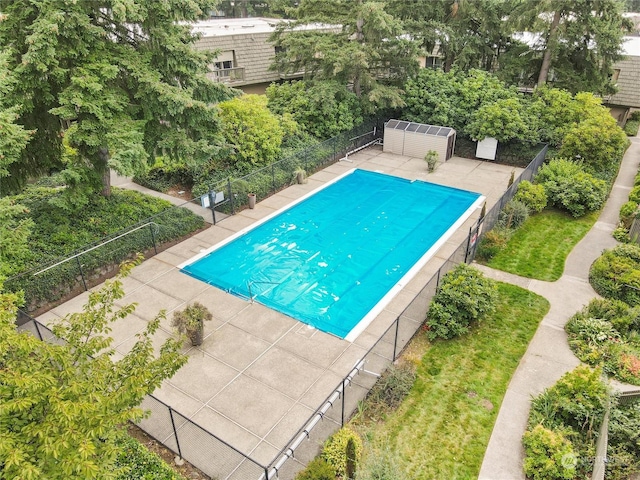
(464, 297)
(549, 455)
(492, 242)
(513, 215)
(631, 128)
(533, 196)
(621, 234)
(317, 469)
(569, 187)
(628, 213)
(616, 274)
(335, 449)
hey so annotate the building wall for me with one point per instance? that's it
(253, 52)
(628, 83)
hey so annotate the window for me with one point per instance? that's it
(224, 61)
(616, 74)
(433, 62)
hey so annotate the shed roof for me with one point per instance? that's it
(433, 130)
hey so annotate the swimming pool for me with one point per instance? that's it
(336, 257)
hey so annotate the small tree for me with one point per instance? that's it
(598, 142)
(253, 132)
(63, 405)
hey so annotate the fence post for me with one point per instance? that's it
(35, 322)
(273, 177)
(175, 432)
(230, 195)
(81, 273)
(153, 238)
(212, 203)
(344, 394)
(395, 341)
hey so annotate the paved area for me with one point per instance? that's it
(548, 356)
(260, 375)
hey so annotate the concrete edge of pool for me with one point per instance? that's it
(388, 296)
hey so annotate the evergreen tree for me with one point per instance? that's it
(122, 73)
(579, 41)
(355, 42)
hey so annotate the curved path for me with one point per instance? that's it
(548, 356)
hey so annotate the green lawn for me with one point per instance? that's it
(539, 248)
(442, 429)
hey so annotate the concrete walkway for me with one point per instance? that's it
(548, 356)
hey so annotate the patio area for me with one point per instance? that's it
(260, 375)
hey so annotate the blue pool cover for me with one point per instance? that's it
(328, 260)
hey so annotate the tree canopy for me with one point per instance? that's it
(358, 43)
(575, 43)
(123, 73)
(62, 405)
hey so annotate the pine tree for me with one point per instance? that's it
(119, 79)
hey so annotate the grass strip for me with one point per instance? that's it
(539, 248)
(442, 429)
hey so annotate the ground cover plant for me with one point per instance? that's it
(606, 333)
(539, 248)
(135, 462)
(456, 396)
(48, 232)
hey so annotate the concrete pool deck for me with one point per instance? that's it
(260, 375)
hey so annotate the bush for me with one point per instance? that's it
(548, 455)
(624, 441)
(569, 187)
(513, 215)
(335, 449)
(616, 274)
(317, 469)
(628, 213)
(621, 234)
(492, 242)
(631, 127)
(464, 297)
(590, 337)
(598, 142)
(577, 401)
(533, 196)
(135, 462)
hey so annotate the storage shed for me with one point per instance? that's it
(416, 139)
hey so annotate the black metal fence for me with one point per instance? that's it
(221, 460)
(281, 174)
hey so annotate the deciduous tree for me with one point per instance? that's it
(62, 405)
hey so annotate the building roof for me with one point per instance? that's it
(631, 46)
(220, 27)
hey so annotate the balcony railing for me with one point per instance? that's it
(227, 75)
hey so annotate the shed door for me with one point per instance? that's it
(451, 140)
